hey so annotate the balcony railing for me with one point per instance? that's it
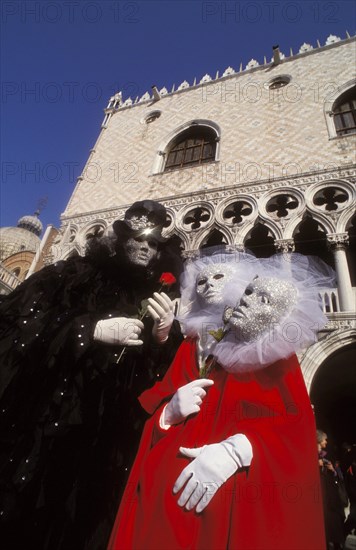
(330, 300)
(8, 280)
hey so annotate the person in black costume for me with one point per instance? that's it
(70, 419)
(334, 515)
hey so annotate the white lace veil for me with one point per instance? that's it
(297, 329)
(196, 317)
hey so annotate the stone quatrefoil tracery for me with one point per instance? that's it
(281, 205)
(330, 199)
(94, 232)
(236, 212)
(196, 218)
(168, 221)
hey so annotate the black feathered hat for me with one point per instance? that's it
(143, 218)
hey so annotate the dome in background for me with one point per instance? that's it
(31, 223)
(24, 237)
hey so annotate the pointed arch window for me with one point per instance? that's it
(345, 113)
(196, 145)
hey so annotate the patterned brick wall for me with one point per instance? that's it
(264, 134)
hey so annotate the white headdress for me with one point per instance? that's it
(197, 316)
(297, 328)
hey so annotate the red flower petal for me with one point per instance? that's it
(167, 279)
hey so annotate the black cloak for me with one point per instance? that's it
(70, 419)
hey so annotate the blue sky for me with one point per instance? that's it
(62, 60)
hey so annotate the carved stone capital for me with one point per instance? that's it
(337, 240)
(237, 247)
(284, 245)
(190, 254)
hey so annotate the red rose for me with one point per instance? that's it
(167, 279)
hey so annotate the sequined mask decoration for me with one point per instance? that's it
(211, 281)
(265, 302)
(140, 251)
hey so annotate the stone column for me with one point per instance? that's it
(338, 243)
(285, 247)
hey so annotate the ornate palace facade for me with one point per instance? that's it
(262, 158)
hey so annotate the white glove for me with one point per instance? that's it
(119, 330)
(211, 467)
(161, 310)
(185, 401)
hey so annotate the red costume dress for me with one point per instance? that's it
(275, 504)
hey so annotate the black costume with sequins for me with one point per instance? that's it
(70, 419)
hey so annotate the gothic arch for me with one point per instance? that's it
(259, 240)
(195, 217)
(325, 222)
(319, 352)
(75, 251)
(350, 229)
(329, 105)
(292, 226)
(62, 251)
(87, 230)
(70, 233)
(204, 235)
(286, 199)
(178, 241)
(159, 161)
(243, 212)
(180, 235)
(333, 196)
(271, 225)
(310, 237)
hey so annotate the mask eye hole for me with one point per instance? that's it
(265, 299)
(201, 282)
(218, 276)
(248, 291)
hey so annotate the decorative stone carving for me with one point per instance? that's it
(284, 245)
(190, 254)
(206, 78)
(305, 48)
(236, 212)
(330, 198)
(251, 64)
(281, 205)
(127, 102)
(197, 218)
(332, 39)
(228, 71)
(183, 85)
(145, 97)
(168, 222)
(163, 91)
(337, 240)
(237, 247)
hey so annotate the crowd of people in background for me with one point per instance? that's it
(338, 485)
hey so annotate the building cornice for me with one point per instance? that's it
(118, 105)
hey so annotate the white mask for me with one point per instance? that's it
(264, 303)
(211, 281)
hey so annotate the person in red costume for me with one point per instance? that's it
(228, 462)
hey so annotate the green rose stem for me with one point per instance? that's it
(166, 279)
(219, 334)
